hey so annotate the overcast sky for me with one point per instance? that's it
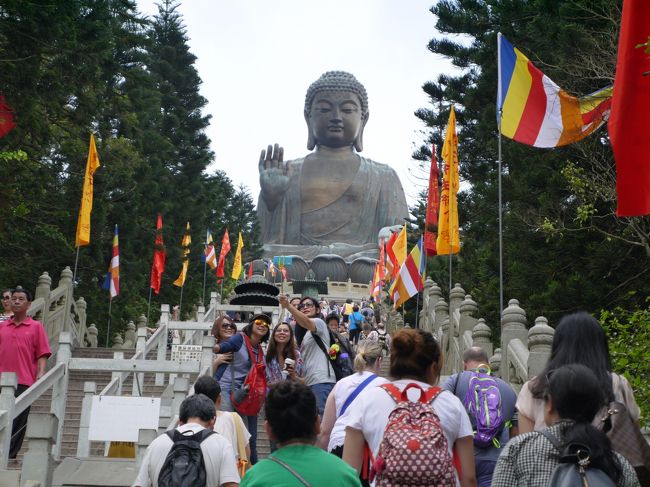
(256, 59)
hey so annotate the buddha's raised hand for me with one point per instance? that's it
(275, 175)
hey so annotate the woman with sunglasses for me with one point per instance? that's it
(6, 305)
(319, 374)
(234, 373)
(222, 329)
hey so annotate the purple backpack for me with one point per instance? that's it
(483, 404)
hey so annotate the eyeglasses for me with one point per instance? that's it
(306, 305)
(260, 322)
(228, 326)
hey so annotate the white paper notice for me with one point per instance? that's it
(119, 418)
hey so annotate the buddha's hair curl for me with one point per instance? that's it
(337, 81)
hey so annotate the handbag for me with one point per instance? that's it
(243, 464)
(248, 399)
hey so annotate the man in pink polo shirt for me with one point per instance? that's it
(24, 349)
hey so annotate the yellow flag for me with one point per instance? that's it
(237, 267)
(187, 240)
(399, 248)
(83, 223)
(448, 237)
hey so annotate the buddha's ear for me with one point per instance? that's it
(311, 141)
(358, 143)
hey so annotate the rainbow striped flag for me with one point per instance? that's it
(535, 111)
(112, 280)
(410, 279)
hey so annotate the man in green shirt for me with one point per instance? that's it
(292, 421)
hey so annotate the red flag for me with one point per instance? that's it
(158, 266)
(630, 117)
(391, 261)
(250, 269)
(225, 248)
(433, 202)
(7, 123)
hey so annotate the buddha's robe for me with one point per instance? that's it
(347, 226)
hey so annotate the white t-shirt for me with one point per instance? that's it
(370, 410)
(315, 363)
(342, 391)
(218, 456)
(225, 426)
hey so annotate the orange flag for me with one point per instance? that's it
(83, 222)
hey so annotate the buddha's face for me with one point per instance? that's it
(335, 119)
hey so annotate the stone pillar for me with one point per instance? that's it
(214, 299)
(513, 326)
(38, 463)
(141, 322)
(456, 297)
(83, 444)
(60, 389)
(181, 388)
(92, 335)
(495, 363)
(145, 437)
(482, 336)
(540, 340)
(468, 311)
(442, 314)
(8, 384)
(43, 289)
(425, 314)
(118, 375)
(66, 280)
(162, 341)
(137, 388)
(81, 306)
(206, 353)
(130, 335)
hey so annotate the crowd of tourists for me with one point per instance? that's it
(332, 419)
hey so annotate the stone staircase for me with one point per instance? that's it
(75, 397)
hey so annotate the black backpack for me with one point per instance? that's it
(184, 465)
(343, 363)
(574, 469)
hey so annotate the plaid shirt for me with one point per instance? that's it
(529, 460)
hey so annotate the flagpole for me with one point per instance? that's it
(108, 329)
(205, 273)
(499, 117)
(180, 304)
(74, 274)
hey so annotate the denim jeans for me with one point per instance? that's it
(321, 391)
(249, 421)
(484, 471)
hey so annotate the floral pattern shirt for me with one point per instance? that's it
(274, 372)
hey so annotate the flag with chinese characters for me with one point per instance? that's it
(112, 280)
(187, 240)
(82, 236)
(448, 241)
(237, 266)
(159, 255)
(225, 248)
(433, 203)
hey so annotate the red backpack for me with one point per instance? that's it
(248, 399)
(414, 449)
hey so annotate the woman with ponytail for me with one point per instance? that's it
(573, 396)
(367, 363)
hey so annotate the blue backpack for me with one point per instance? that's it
(483, 404)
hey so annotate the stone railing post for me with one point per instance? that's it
(81, 306)
(43, 289)
(495, 363)
(68, 325)
(482, 336)
(162, 342)
(181, 387)
(92, 335)
(540, 339)
(38, 463)
(456, 297)
(130, 336)
(60, 389)
(513, 326)
(118, 375)
(468, 311)
(8, 384)
(206, 353)
(83, 444)
(145, 437)
(214, 299)
(118, 341)
(137, 388)
(442, 314)
(425, 314)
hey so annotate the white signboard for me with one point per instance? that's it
(119, 418)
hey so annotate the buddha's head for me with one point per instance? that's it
(336, 111)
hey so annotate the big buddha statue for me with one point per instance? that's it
(332, 201)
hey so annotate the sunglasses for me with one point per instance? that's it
(228, 326)
(306, 305)
(260, 322)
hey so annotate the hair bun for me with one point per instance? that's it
(404, 341)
